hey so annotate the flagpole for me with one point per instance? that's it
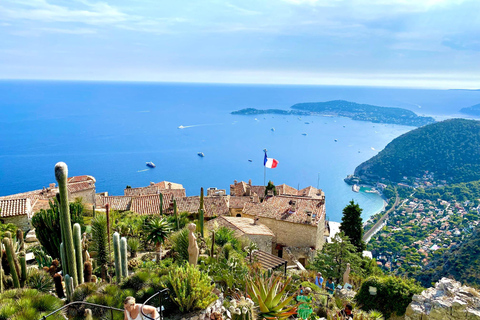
(264, 170)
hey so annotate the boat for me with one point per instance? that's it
(307, 122)
(355, 188)
(304, 134)
(336, 140)
(181, 127)
(150, 164)
(250, 160)
(273, 129)
(200, 154)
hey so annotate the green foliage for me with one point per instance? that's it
(20, 304)
(449, 149)
(4, 227)
(11, 257)
(128, 224)
(109, 295)
(189, 288)
(42, 258)
(269, 294)
(157, 230)
(183, 219)
(241, 308)
(270, 186)
(332, 260)
(393, 295)
(39, 279)
(228, 274)
(100, 240)
(352, 225)
(224, 235)
(133, 244)
(179, 242)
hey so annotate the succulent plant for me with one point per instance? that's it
(271, 297)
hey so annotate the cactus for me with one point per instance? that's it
(61, 174)
(63, 259)
(77, 231)
(69, 287)
(8, 234)
(87, 271)
(123, 256)
(23, 268)
(161, 204)
(57, 279)
(21, 244)
(94, 279)
(213, 244)
(11, 261)
(116, 252)
(1, 269)
(107, 213)
(176, 213)
(201, 212)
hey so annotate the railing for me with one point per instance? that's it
(161, 294)
(86, 303)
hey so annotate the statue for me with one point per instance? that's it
(192, 245)
(346, 274)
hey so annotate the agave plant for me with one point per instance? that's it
(375, 315)
(271, 297)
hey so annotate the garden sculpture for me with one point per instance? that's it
(192, 245)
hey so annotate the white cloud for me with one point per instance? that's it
(242, 10)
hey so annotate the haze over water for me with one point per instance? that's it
(109, 130)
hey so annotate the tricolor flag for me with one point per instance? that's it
(270, 162)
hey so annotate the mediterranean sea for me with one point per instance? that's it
(110, 129)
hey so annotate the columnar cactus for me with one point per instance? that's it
(213, 243)
(107, 214)
(61, 174)
(117, 254)
(21, 245)
(176, 214)
(23, 268)
(161, 204)
(77, 231)
(69, 287)
(63, 259)
(87, 271)
(57, 279)
(11, 261)
(1, 269)
(201, 212)
(123, 256)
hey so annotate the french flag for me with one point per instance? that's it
(270, 162)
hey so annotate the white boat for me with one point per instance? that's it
(355, 188)
(181, 127)
(150, 164)
(200, 154)
(273, 129)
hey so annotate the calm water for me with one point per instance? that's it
(109, 130)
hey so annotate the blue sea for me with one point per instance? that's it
(110, 129)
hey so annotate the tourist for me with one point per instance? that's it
(300, 290)
(132, 310)
(319, 280)
(330, 286)
(346, 313)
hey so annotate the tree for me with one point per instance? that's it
(157, 230)
(270, 186)
(352, 225)
(333, 258)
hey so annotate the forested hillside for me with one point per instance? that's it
(450, 149)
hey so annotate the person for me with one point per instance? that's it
(132, 310)
(346, 313)
(330, 286)
(300, 290)
(319, 280)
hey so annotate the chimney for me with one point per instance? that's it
(152, 183)
(250, 182)
(270, 193)
(293, 205)
(234, 181)
(169, 185)
(52, 185)
(255, 221)
(309, 217)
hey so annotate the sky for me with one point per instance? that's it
(399, 43)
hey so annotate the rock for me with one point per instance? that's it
(31, 236)
(447, 301)
(345, 294)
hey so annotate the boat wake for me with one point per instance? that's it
(198, 125)
(143, 170)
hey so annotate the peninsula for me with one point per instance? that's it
(355, 111)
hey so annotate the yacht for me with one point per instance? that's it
(151, 164)
(200, 154)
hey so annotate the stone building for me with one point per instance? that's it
(249, 228)
(17, 211)
(298, 223)
(81, 187)
(163, 187)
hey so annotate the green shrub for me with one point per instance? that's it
(189, 288)
(179, 241)
(39, 279)
(19, 304)
(393, 295)
(7, 227)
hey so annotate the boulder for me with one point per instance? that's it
(448, 300)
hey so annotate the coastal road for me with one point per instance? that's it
(380, 223)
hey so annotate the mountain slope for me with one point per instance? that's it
(450, 149)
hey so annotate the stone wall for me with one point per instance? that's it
(87, 196)
(448, 300)
(21, 222)
(264, 242)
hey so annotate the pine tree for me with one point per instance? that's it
(352, 225)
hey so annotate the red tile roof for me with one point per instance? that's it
(242, 225)
(80, 186)
(239, 202)
(280, 208)
(15, 208)
(81, 179)
(155, 189)
(119, 203)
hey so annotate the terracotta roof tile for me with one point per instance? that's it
(44, 194)
(154, 189)
(80, 186)
(243, 225)
(239, 202)
(15, 208)
(119, 203)
(280, 208)
(81, 179)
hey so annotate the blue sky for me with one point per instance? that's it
(408, 43)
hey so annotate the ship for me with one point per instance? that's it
(200, 154)
(355, 188)
(150, 164)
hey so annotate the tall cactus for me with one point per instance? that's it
(23, 268)
(161, 204)
(201, 212)
(57, 279)
(117, 254)
(1, 269)
(69, 287)
(123, 256)
(20, 245)
(107, 213)
(87, 271)
(63, 259)
(213, 244)
(176, 214)
(77, 240)
(11, 261)
(61, 174)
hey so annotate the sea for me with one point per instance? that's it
(109, 130)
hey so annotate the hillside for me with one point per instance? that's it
(473, 110)
(449, 149)
(355, 111)
(462, 263)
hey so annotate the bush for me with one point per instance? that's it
(39, 279)
(393, 295)
(190, 289)
(19, 304)
(179, 241)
